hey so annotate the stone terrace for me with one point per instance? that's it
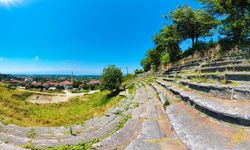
(201, 105)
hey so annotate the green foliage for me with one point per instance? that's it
(230, 17)
(166, 104)
(31, 134)
(168, 41)
(146, 64)
(151, 79)
(123, 122)
(165, 59)
(152, 60)
(22, 96)
(137, 104)
(129, 77)
(234, 16)
(77, 110)
(80, 146)
(111, 78)
(138, 71)
(198, 47)
(192, 24)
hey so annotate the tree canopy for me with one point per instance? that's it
(230, 17)
(111, 78)
(234, 16)
(192, 24)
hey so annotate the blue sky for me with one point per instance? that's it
(84, 36)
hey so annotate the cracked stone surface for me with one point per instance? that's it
(230, 108)
(124, 136)
(199, 131)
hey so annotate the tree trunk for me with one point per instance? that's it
(197, 40)
(192, 42)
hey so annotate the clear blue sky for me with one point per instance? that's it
(60, 36)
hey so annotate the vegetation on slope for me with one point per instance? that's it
(15, 110)
(230, 19)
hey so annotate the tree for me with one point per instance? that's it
(146, 64)
(138, 71)
(152, 59)
(111, 78)
(192, 24)
(168, 41)
(234, 16)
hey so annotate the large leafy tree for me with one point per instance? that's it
(152, 59)
(192, 24)
(111, 78)
(167, 41)
(234, 16)
(146, 64)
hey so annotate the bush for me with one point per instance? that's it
(198, 47)
(111, 78)
(138, 71)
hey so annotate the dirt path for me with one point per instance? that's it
(48, 98)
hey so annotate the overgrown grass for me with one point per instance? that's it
(202, 80)
(17, 111)
(123, 122)
(151, 79)
(80, 146)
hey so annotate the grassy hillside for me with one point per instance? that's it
(14, 109)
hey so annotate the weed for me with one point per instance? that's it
(137, 104)
(123, 122)
(31, 134)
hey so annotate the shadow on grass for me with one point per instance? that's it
(114, 93)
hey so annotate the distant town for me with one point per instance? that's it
(52, 83)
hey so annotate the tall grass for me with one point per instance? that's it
(15, 110)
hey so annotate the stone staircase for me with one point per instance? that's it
(209, 103)
(190, 107)
(14, 137)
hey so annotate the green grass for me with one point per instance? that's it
(202, 80)
(80, 146)
(123, 122)
(151, 79)
(15, 110)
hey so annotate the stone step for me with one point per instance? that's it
(221, 63)
(64, 132)
(233, 57)
(225, 91)
(58, 132)
(236, 112)
(56, 136)
(124, 136)
(235, 68)
(156, 131)
(4, 146)
(69, 140)
(200, 132)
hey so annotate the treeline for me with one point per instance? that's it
(228, 18)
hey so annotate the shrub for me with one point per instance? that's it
(111, 78)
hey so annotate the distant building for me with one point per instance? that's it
(94, 82)
(67, 84)
(49, 84)
(29, 80)
(37, 84)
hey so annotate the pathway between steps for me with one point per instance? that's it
(156, 131)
